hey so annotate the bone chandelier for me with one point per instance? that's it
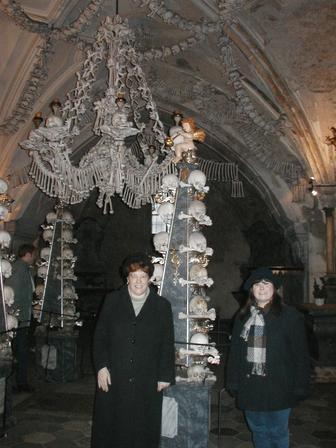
(133, 170)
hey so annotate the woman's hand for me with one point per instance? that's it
(104, 379)
(162, 385)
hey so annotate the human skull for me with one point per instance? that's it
(198, 305)
(39, 290)
(3, 212)
(51, 218)
(69, 292)
(67, 217)
(42, 271)
(198, 273)
(160, 241)
(157, 274)
(197, 210)
(5, 239)
(169, 182)
(3, 186)
(166, 211)
(45, 253)
(8, 295)
(12, 322)
(67, 253)
(67, 235)
(47, 235)
(196, 373)
(6, 268)
(197, 242)
(198, 180)
(68, 273)
(199, 338)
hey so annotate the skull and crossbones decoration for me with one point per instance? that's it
(197, 211)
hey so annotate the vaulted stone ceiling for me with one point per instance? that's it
(257, 75)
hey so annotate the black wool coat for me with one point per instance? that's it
(139, 352)
(287, 364)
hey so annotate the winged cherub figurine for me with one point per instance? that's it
(184, 139)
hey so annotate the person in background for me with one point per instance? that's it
(23, 285)
(268, 367)
(134, 356)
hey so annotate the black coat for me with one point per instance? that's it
(287, 364)
(139, 352)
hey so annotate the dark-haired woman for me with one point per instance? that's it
(268, 367)
(134, 359)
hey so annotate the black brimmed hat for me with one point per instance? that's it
(261, 274)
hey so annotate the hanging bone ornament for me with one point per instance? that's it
(6, 268)
(160, 241)
(197, 210)
(157, 274)
(3, 212)
(45, 253)
(198, 276)
(5, 239)
(8, 295)
(3, 186)
(47, 235)
(169, 182)
(166, 212)
(51, 217)
(197, 243)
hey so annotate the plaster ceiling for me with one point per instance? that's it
(277, 115)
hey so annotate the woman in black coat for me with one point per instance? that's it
(268, 367)
(134, 359)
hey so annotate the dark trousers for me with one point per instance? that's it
(21, 353)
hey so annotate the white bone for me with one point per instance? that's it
(166, 211)
(157, 274)
(5, 239)
(9, 295)
(51, 218)
(45, 253)
(169, 182)
(6, 268)
(160, 241)
(211, 314)
(198, 180)
(12, 322)
(3, 212)
(42, 271)
(3, 186)
(47, 235)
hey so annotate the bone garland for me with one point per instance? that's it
(30, 91)
(157, 8)
(164, 52)
(242, 97)
(17, 13)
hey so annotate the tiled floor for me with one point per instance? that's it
(59, 416)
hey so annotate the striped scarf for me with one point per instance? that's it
(254, 334)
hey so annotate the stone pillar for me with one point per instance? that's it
(330, 239)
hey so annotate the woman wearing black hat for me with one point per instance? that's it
(268, 367)
(134, 358)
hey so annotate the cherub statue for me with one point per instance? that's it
(184, 140)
